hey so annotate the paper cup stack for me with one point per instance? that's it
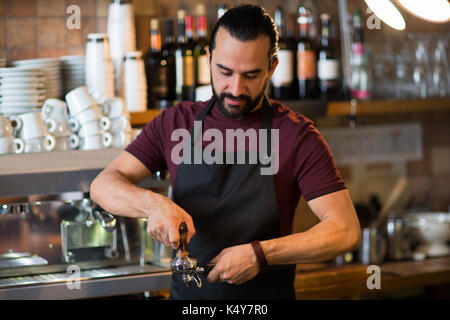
(134, 82)
(120, 122)
(31, 133)
(8, 143)
(87, 121)
(56, 118)
(122, 35)
(52, 70)
(73, 72)
(99, 68)
(21, 90)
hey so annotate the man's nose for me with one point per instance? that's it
(237, 86)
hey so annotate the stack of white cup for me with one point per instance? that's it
(31, 133)
(8, 143)
(55, 115)
(134, 82)
(99, 68)
(120, 122)
(122, 35)
(88, 121)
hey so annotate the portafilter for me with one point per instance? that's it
(187, 265)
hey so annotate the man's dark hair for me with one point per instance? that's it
(246, 23)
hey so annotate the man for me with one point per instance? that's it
(237, 217)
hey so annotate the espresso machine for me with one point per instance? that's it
(56, 243)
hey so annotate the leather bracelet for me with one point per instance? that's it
(259, 253)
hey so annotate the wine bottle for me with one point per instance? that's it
(361, 77)
(328, 69)
(155, 68)
(306, 59)
(283, 77)
(184, 62)
(202, 64)
(168, 53)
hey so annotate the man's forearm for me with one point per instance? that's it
(322, 242)
(114, 193)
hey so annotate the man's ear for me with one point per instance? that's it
(273, 66)
(208, 54)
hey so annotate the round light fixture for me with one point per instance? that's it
(387, 12)
(430, 10)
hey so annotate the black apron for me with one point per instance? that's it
(231, 204)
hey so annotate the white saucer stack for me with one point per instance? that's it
(52, 68)
(22, 90)
(73, 72)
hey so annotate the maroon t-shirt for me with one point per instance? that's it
(306, 165)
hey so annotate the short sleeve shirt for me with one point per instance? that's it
(306, 164)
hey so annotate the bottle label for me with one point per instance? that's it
(360, 94)
(184, 71)
(284, 73)
(328, 69)
(306, 65)
(189, 72)
(203, 70)
(179, 71)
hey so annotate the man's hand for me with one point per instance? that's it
(164, 219)
(234, 265)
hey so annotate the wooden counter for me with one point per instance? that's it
(321, 282)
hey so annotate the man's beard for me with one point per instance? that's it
(249, 104)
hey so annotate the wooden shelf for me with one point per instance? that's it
(142, 118)
(388, 106)
(320, 108)
(350, 280)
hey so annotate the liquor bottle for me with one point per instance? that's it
(306, 59)
(328, 69)
(168, 52)
(184, 62)
(282, 81)
(202, 64)
(361, 77)
(156, 68)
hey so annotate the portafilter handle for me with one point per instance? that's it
(183, 229)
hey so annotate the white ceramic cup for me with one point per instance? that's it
(115, 108)
(121, 139)
(9, 144)
(78, 100)
(91, 129)
(104, 123)
(74, 141)
(59, 128)
(42, 144)
(54, 108)
(31, 126)
(62, 143)
(120, 124)
(89, 115)
(96, 142)
(6, 128)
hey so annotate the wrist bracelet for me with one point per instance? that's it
(259, 253)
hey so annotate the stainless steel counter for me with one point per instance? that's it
(92, 283)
